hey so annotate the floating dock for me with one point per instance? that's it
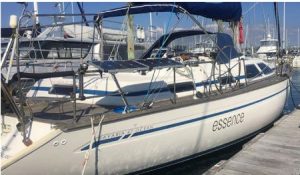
(276, 151)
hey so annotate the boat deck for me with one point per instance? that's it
(61, 113)
(275, 152)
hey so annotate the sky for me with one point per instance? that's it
(255, 17)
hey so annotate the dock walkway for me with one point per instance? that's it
(275, 152)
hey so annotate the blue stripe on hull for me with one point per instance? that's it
(97, 143)
(85, 91)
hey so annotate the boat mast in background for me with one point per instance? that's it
(279, 48)
(298, 41)
(150, 15)
(130, 36)
(72, 7)
(286, 39)
(284, 33)
(36, 11)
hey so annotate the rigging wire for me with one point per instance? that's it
(151, 92)
(149, 88)
(266, 24)
(155, 91)
(252, 7)
(81, 59)
(117, 46)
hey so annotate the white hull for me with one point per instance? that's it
(154, 139)
(296, 61)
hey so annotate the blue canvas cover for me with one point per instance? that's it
(226, 47)
(227, 11)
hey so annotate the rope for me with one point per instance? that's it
(93, 138)
(295, 87)
(291, 93)
(87, 153)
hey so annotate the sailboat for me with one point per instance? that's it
(145, 113)
(296, 60)
(62, 45)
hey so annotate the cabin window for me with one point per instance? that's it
(252, 71)
(59, 89)
(264, 68)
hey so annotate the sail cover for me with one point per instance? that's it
(226, 11)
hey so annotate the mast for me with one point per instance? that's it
(284, 33)
(279, 48)
(150, 15)
(36, 11)
(268, 28)
(286, 39)
(298, 40)
(63, 8)
(130, 36)
(72, 7)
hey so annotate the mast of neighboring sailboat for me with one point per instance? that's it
(72, 8)
(130, 36)
(284, 33)
(150, 15)
(36, 11)
(298, 41)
